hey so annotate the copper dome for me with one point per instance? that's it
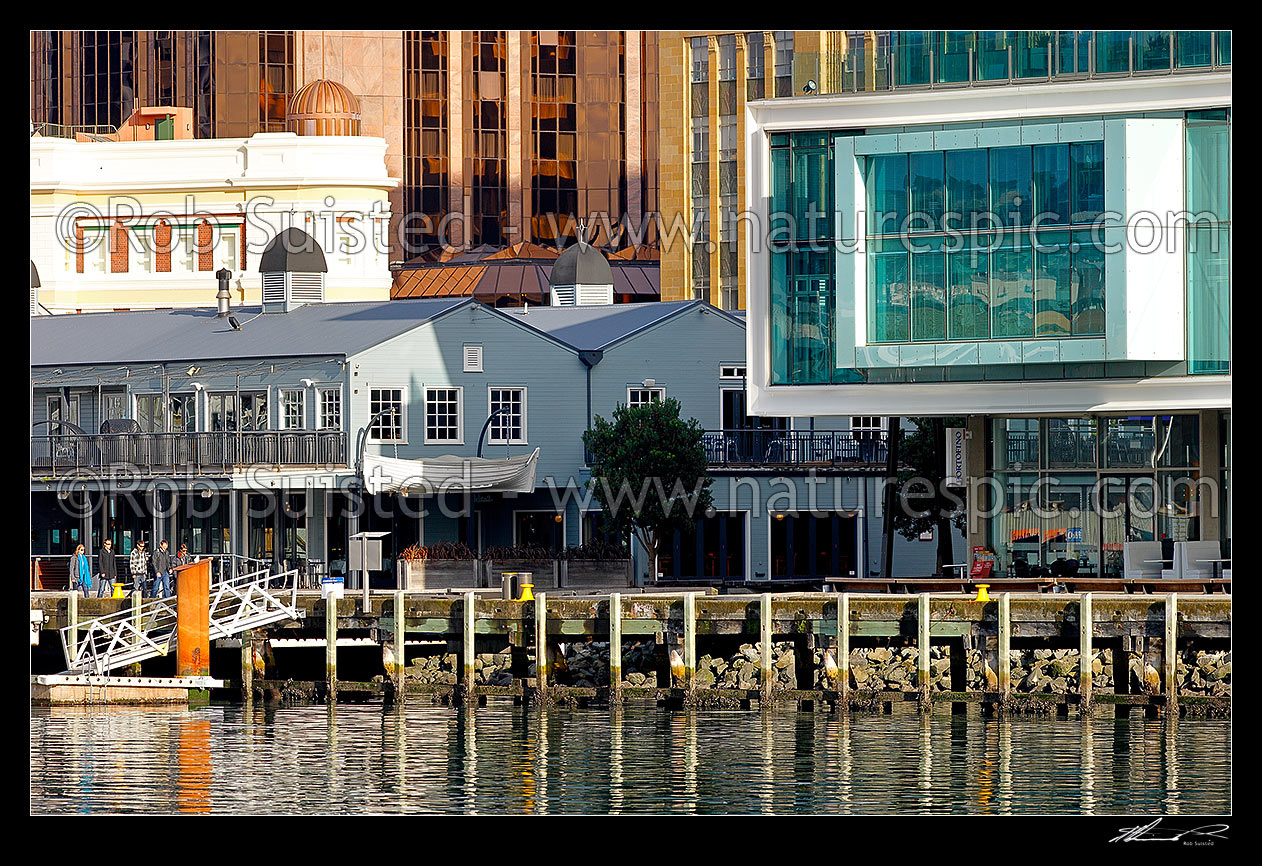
(323, 107)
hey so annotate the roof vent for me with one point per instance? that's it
(581, 277)
(293, 269)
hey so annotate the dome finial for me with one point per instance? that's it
(323, 107)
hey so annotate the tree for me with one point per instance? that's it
(649, 472)
(926, 505)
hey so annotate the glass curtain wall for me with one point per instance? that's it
(802, 261)
(953, 252)
(1208, 184)
(1068, 493)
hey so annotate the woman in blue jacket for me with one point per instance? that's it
(81, 571)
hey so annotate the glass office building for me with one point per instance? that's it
(1029, 231)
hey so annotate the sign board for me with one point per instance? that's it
(357, 551)
(1074, 535)
(956, 461)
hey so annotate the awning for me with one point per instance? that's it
(450, 473)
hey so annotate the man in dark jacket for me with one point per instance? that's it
(108, 569)
(161, 565)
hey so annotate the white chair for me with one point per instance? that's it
(1141, 559)
(1191, 558)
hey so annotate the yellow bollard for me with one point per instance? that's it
(981, 592)
(118, 591)
(526, 594)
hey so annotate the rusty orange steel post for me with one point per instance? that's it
(192, 622)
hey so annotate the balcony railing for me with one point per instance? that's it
(184, 453)
(793, 447)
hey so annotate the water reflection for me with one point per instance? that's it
(504, 759)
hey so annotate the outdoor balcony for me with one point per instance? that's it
(146, 454)
(793, 448)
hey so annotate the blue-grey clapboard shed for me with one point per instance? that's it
(243, 436)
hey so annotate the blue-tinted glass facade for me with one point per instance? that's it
(1208, 185)
(953, 255)
(952, 58)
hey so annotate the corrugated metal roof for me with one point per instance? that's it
(198, 334)
(595, 327)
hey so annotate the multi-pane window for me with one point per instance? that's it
(554, 129)
(293, 409)
(390, 424)
(162, 76)
(109, 76)
(784, 62)
(183, 413)
(729, 295)
(755, 65)
(442, 415)
(425, 168)
(644, 396)
(1078, 489)
(1208, 190)
(276, 78)
(700, 166)
(330, 407)
(204, 72)
(801, 267)
(508, 414)
(115, 406)
(867, 426)
(149, 414)
(489, 193)
(46, 76)
(953, 253)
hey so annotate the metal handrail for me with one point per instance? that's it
(135, 634)
(192, 453)
(793, 447)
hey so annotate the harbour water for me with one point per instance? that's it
(502, 759)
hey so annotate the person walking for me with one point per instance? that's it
(161, 570)
(139, 568)
(80, 572)
(107, 569)
(182, 557)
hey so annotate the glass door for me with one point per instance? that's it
(1128, 513)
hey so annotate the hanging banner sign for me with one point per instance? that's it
(956, 475)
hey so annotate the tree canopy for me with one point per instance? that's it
(649, 471)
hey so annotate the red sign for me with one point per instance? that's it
(981, 570)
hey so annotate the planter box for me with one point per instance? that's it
(440, 574)
(609, 574)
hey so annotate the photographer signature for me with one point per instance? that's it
(1148, 833)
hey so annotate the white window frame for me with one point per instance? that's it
(459, 438)
(732, 372)
(659, 390)
(490, 407)
(139, 397)
(190, 424)
(466, 358)
(118, 397)
(282, 409)
(267, 416)
(227, 244)
(321, 390)
(868, 430)
(403, 411)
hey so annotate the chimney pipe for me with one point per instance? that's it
(224, 297)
